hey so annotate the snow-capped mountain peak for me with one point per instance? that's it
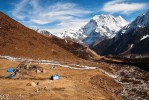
(136, 33)
(140, 22)
(102, 27)
(72, 34)
(43, 32)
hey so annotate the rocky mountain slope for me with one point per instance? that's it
(132, 40)
(75, 48)
(18, 40)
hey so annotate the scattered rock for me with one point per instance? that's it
(43, 71)
(31, 84)
(38, 71)
(37, 83)
(135, 82)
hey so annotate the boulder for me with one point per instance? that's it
(31, 84)
(38, 71)
(43, 71)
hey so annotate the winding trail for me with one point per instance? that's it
(52, 62)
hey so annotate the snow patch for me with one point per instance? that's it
(131, 45)
(144, 37)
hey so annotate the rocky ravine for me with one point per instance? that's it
(135, 81)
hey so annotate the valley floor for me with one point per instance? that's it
(78, 81)
(74, 84)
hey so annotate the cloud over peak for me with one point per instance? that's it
(60, 15)
(32, 12)
(122, 6)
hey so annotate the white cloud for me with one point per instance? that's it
(121, 6)
(68, 14)
(18, 8)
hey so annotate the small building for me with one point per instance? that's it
(55, 77)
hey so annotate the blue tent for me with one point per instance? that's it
(55, 77)
(10, 76)
(10, 70)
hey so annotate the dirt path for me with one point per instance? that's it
(71, 66)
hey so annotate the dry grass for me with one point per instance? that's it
(73, 84)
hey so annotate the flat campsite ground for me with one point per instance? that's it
(73, 84)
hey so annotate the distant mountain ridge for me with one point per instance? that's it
(73, 35)
(99, 28)
(131, 41)
(44, 32)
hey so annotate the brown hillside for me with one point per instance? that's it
(75, 48)
(18, 40)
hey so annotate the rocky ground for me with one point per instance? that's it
(134, 80)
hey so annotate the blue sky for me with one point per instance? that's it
(60, 15)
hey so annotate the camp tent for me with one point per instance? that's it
(10, 70)
(10, 76)
(55, 77)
